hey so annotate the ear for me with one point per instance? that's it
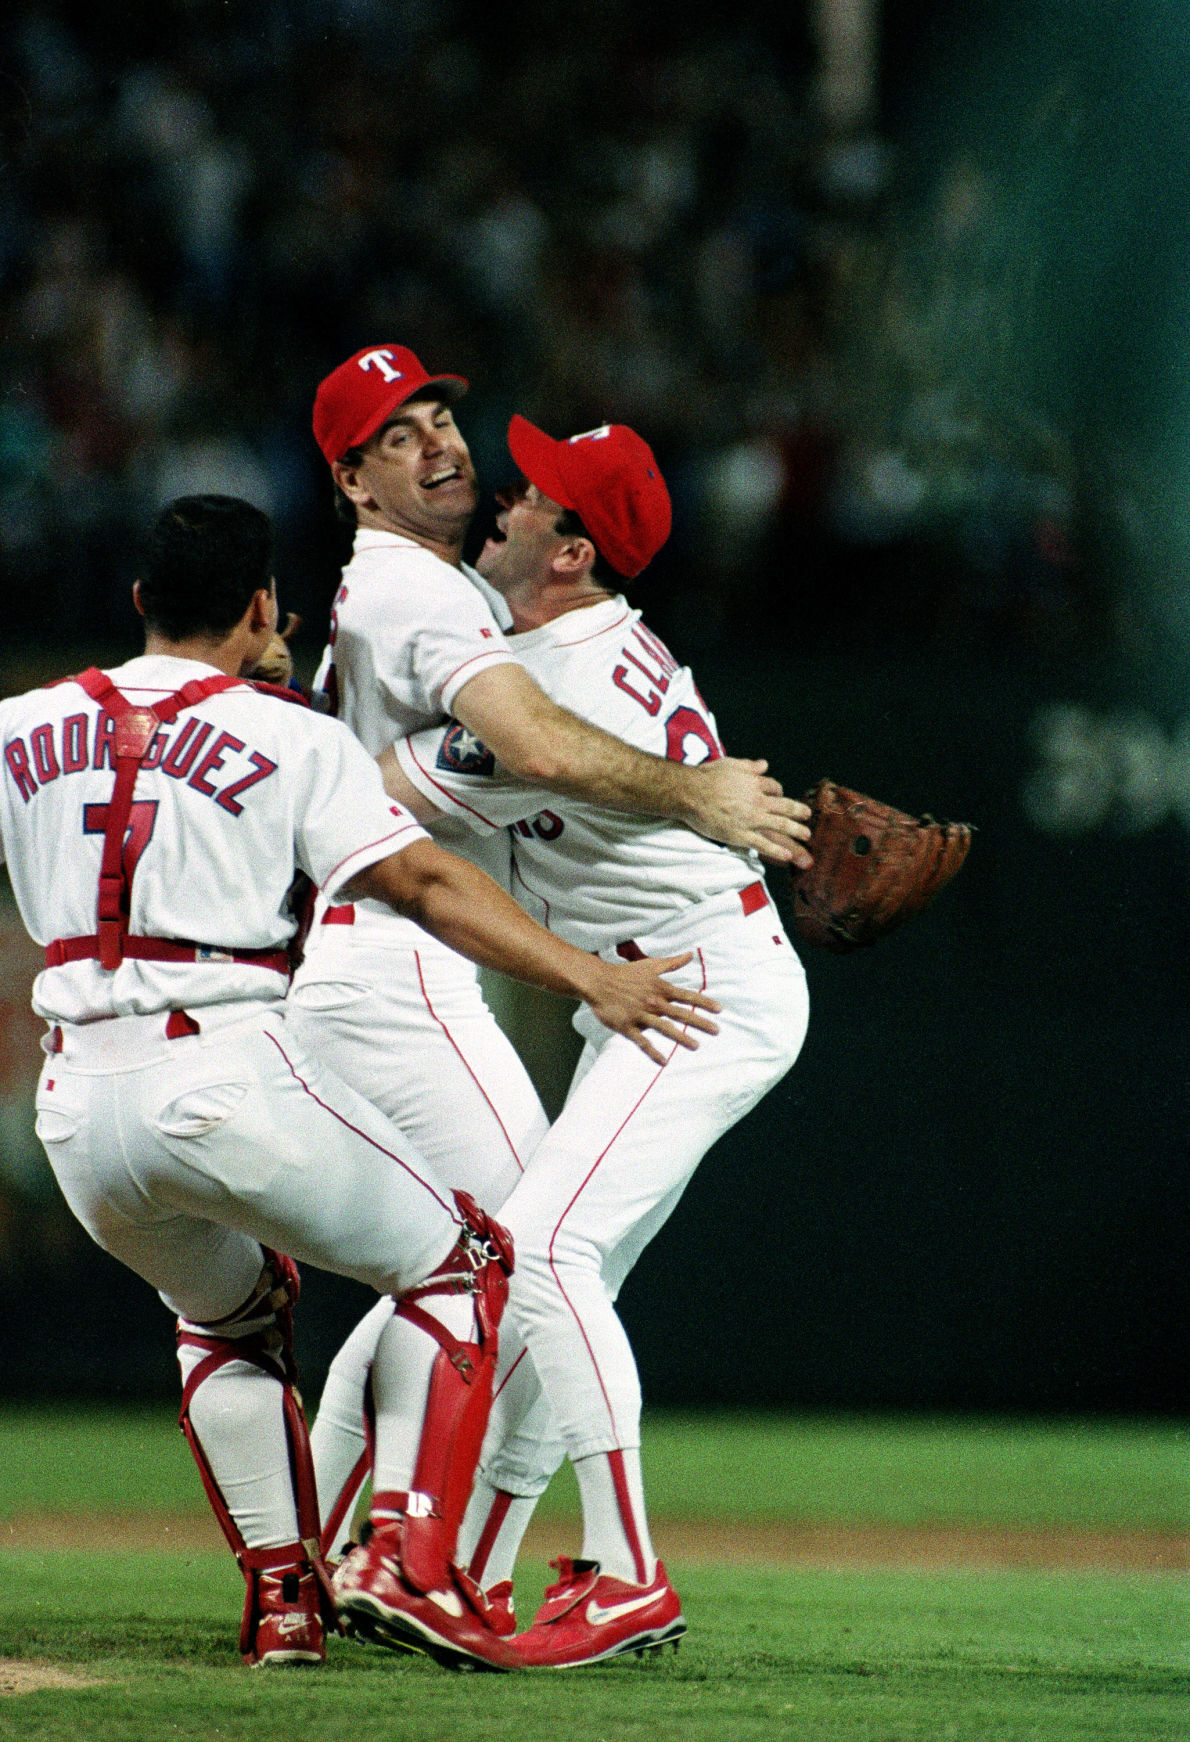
(574, 558)
(348, 480)
(260, 610)
(136, 598)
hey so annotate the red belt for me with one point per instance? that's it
(163, 950)
(752, 899)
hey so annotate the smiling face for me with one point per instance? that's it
(415, 477)
(525, 541)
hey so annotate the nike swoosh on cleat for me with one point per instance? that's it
(599, 1616)
(291, 1623)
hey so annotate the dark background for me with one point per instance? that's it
(914, 359)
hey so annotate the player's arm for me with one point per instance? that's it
(728, 799)
(465, 909)
(398, 785)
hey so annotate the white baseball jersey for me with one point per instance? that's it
(230, 796)
(594, 875)
(407, 632)
(394, 1012)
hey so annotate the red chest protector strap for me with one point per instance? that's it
(136, 727)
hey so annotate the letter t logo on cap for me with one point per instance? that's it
(383, 360)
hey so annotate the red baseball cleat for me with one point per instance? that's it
(289, 1623)
(586, 1618)
(495, 1605)
(377, 1602)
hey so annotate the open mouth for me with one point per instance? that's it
(447, 475)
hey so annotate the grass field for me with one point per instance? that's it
(768, 1526)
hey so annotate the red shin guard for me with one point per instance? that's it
(460, 1399)
(269, 1346)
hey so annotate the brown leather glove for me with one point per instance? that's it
(874, 867)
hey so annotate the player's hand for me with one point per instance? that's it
(782, 851)
(742, 805)
(630, 997)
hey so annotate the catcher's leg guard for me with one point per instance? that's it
(261, 1334)
(460, 1397)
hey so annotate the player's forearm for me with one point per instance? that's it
(403, 790)
(544, 744)
(547, 746)
(725, 799)
(570, 756)
(461, 906)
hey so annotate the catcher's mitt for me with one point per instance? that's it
(874, 867)
(275, 664)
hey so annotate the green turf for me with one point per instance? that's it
(899, 1470)
(775, 1653)
(923, 1470)
(827, 1657)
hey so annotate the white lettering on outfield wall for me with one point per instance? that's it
(1119, 771)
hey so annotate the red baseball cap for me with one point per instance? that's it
(611, 480)
(358, 396)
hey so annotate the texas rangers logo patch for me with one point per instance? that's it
(461, 752)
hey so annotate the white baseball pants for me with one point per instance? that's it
(409, 1029)
(612, 1168)
(181, 1157)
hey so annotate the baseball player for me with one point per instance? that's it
(607, 1175)
(414, 640)
(193, 1137)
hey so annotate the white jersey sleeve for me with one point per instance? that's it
(346, 821)
(407, 632)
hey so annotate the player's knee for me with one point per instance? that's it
(544, 1258)
(523, 1468)
(266, 1313)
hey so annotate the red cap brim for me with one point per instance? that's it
(451, 387)
(537, 456)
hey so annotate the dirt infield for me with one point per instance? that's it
(24, 1676)
(924, 1548)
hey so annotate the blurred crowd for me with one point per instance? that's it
(595, 212)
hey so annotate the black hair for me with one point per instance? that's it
(569, 524)
(204, 559)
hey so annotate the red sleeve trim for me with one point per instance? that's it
(493, 656)
(411, 827)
